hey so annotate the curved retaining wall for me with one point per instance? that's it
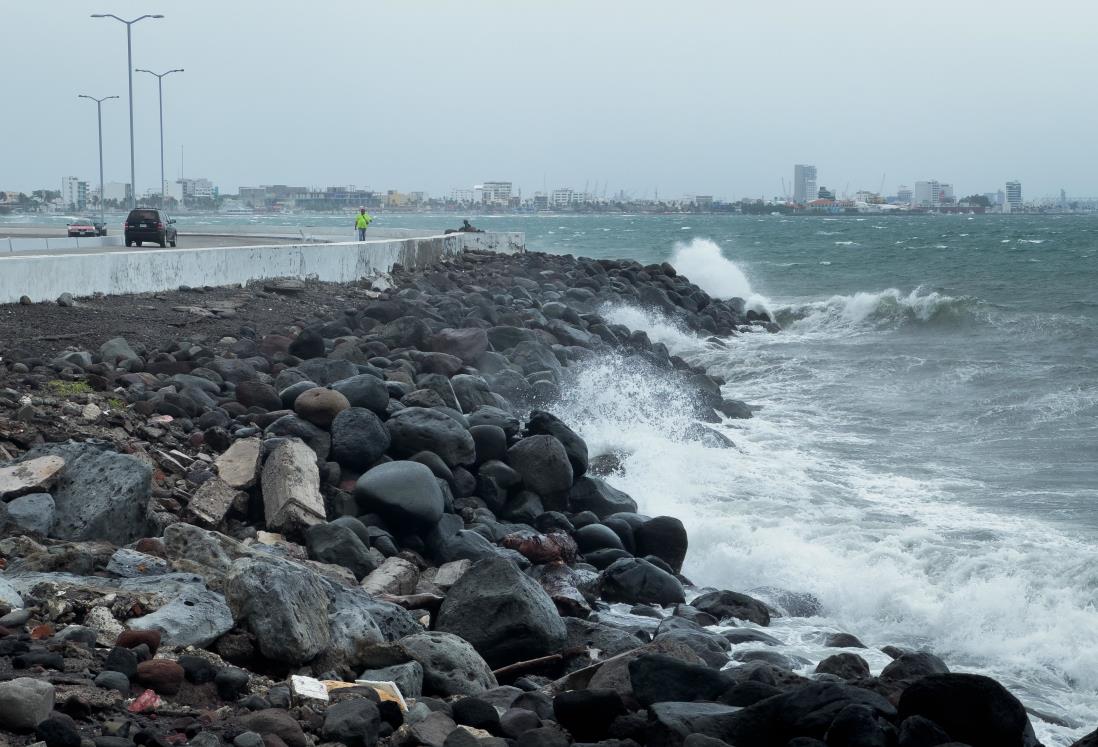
(45, 277)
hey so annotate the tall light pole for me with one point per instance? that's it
(99, 111)
(160, 89)
(129, 74)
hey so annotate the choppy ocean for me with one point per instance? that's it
(925, 459)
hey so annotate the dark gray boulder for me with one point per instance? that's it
(635, 580)
(594, 494)
(359, 438)
(665, 537)
(971, 708)
(353, 722)
(545, 423)
(339, 545)
(416, 429)
(543, 464)
(100, 494)
(471, 392)
(405, 493)
(292, 426)
(364, 390)
(503, 613)
(286, 609)
(844, 665)
(451, 666)
(912, 665)
(731, 604)
(467, 343)
(657, 678)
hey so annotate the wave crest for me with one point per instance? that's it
(887, 308)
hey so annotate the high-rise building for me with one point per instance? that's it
(1014, 195)
(497, 193)
(74, 193)
(804, 183)
(927, 194)
(561, 197)
(904, 194)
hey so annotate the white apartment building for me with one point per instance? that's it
(74, 193)
(927, 194)
(804, 183)
(1014, 195)
(496, 193)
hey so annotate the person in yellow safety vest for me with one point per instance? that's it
(361, 221)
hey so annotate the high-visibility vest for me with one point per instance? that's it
(362, 221)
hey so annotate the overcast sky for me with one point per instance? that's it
(685, 97)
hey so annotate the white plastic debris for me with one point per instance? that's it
(308, 687)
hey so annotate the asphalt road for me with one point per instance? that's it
(186, 241)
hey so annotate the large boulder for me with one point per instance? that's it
(359, 438)
(504, 613)
(665, 537)
(194, 617)
(291, 487)
(285, 608)
(972, 708)
(543, 464)
(468, 343)
(364, 390)
(405, 493)
(545, 423)
(354, 723)
(100, 494)
(730, 604)
(416, 429)
(593, 494)
(657, 678)
(805, 711)
(336, 544)
(451, 666)
(636, 581)
(24, 702)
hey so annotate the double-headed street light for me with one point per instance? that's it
(160, 88)
(129, 74)
(99, 111)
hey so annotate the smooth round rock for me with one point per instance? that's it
(320, 406)
(403, 492)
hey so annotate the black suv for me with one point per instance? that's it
(150, 224)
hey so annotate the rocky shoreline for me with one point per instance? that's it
(360, 523)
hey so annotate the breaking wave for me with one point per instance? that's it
(887, 308)
(703, 263)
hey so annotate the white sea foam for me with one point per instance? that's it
(892, 559)
(890, 306)
(703, 263)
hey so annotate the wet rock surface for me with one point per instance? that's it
(211, 531)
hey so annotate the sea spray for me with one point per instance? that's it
(701, 260)
(893, 558)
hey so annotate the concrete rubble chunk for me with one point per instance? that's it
(212, 500)
(449, 573)
(291, 487)
(394, 576)
(239, 465)
(31, 476)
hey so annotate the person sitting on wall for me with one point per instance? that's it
(466, 227)
(361, 222)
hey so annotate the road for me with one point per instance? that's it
(186, 241)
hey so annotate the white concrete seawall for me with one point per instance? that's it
(45, 277)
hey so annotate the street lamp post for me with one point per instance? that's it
(129, 74)
(160, 89)
(99, 111)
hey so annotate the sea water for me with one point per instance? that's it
(924, 462)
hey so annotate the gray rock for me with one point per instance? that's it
(471, 392)
(115, 350)
(394, 576)
(403, 492)
(24, 702)
(359, 438)
(451, 666)
(408, 677)
(354, 723)
(731, 604)
(109, 680)
(291, 426)
(9, 595)
(286, 609)
(505, 614)
(416, 429)
(353, 629)
(100, 494)
(336, 544)
(33, 513)
(364, 391)
(543, 464)
(635, 580)
(132, 564)
(195, 617)
(468, 343)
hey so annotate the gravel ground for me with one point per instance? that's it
(46, 329)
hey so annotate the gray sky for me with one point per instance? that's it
(688, 97)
